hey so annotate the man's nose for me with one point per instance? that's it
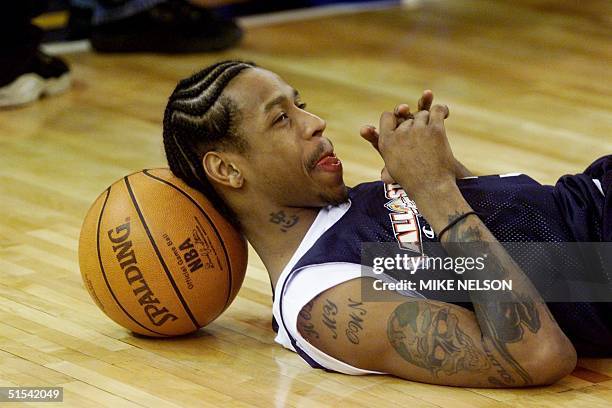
(315, 126)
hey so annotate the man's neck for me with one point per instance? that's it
(276, 233)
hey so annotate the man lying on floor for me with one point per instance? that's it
(241, 135)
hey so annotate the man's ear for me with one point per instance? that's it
(219, 169)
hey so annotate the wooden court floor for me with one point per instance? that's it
(529, 88)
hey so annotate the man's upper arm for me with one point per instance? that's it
(416, 339)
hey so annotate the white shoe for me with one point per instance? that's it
(46, 76)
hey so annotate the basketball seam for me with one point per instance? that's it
(159, 257)
(104, 272)
(212, 224)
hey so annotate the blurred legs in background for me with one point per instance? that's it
(26, 73)
(165, 26)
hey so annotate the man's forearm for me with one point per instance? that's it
(506, 318)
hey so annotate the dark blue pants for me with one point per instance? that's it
(19, 39)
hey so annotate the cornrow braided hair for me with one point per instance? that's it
(198, 119)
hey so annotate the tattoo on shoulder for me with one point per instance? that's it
(306, 312)
(305, 325)
(355, 323)
(429, 336)
(330, 310)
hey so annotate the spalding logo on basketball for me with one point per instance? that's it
(157, 258)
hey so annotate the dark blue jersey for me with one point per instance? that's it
(515, 209)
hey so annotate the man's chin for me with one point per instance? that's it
(336, 196)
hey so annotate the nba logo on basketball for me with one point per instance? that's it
(190, 255)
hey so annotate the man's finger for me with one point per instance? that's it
(426, 100)
(369, 133)
(406, 124)
(402, 111)
(388, 123)
(438, 113)
(402, 114)
(421, 118)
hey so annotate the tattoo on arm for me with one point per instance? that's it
(504, 316)
(429, 336)
(503, 373)
(305, 325)
(355, 323)
(503, 323)
(330, 310)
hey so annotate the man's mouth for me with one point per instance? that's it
(329, 162)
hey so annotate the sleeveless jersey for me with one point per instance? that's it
(515, 208)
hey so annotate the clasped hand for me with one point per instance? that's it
(414, 147)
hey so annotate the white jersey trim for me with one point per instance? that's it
(598, 184)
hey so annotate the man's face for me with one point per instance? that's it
(288, 158)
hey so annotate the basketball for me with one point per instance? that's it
(157, 257)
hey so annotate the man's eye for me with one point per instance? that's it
(301, 105)
(281, 117)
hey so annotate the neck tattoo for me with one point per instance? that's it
(283, 220)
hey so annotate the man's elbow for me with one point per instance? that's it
(552, 361)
